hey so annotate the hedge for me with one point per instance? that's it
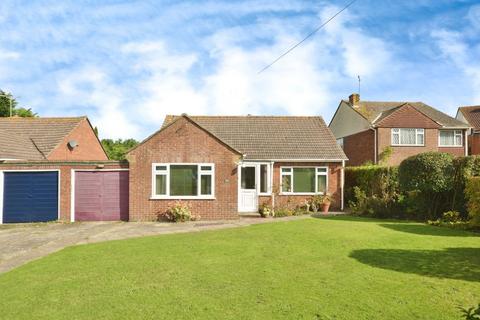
(472, 191)
(423, 187)
(374, 180)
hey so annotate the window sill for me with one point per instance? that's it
(407, 145)
(183, 198)
(300, 193)
(450, 146)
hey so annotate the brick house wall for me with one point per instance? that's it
(474, 144)
(334, 187)
(64, 176)
(402, 152)
(360, 147)
(89, 147)
(408, 117)
(183, 142)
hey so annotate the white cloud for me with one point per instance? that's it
(127, 73)
(474, 16)
(92, 86)
(454, 47)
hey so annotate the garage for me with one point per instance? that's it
(100, 195)
(30, 196)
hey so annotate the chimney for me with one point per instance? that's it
(354, 99)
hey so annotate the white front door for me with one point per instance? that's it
(248, 197)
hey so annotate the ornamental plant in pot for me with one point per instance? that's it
(325, 201)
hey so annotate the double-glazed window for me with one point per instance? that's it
(450, 138)
(306, 180)
(183, 180)
(408, 137)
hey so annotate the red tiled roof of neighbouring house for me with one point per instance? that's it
(472, 115)
(33, 138)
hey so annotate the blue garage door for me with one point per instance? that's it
(30, 197)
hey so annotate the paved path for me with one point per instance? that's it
(20, 244)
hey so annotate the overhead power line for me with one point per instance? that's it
(308, 36)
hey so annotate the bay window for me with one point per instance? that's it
(408, 137)
(450, 138)
(304, 180)
(182, 180)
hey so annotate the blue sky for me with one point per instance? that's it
(126, 64)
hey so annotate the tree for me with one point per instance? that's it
(116, 149)
(5, 100)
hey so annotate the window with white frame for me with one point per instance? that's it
(181, 180)
(264, 178)
(306, 180)
(408, 137)
(450, 138)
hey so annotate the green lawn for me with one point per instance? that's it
(331, 268)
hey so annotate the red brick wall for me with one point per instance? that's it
(334, 181)
(89, 148)
(407, 117)
(64, 175)
(474, 143)
(183, 142)
(359, 147)
(402, 152)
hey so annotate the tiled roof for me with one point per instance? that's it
(375, 111)
(272, 137)
(33, 138)
(472, 115)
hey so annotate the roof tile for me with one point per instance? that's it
(272, 137)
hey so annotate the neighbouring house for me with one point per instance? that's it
(56, 169)
(225, 165)
(471, 116)
(388, 132)
(49, 139)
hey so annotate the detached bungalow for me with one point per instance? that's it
(226, 165)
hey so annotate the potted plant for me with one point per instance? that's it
(326, 202)
(265, 210)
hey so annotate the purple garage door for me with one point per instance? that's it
(101, 195)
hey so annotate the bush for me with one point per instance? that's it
(472, 192)
(451, 216)
(283, 212)
(373, 191)
(180, 212)
(374, 180)
(430, 175)
(464, 168)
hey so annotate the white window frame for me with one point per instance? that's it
(398, 131)
(269, 185)
(455, 134)
(166, 172)
(317, 173)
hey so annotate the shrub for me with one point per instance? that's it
(431, 175)
(472, 192)
(374, 180)
(265, 210)
(179, 212)
(373, 191)
(464, 168)
(283, 212)
(451, 216)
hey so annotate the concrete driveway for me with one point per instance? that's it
(20, 244)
